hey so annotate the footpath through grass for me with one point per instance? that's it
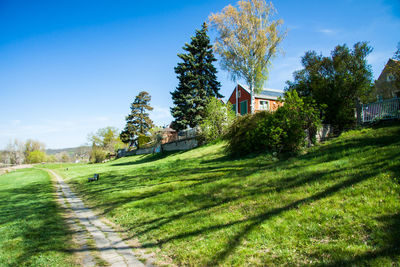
(339, 204)
(32, 232)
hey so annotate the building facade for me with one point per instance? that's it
(388, 84)
(266, 100)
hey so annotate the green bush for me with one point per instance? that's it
(217, 120)
(97, 155)
(36, 156)
(143, 139)
(282, 131)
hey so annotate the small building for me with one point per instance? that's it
(388, 86)
(267, 99)
(168, 135)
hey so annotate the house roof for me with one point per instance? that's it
(391, 62)
(168, 129)
(266, 93)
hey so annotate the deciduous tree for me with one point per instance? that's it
(338, 82)
(106, 138)
(197, 81)
(33, 145)
(138, 122)
(15, 152)
(217, 120)
(36, 156)
(247, 41)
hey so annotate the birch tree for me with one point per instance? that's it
(247, 40)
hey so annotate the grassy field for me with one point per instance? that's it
(32, 233)
(338, 204)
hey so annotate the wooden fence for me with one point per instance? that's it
(383, 110)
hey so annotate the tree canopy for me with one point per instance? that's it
(106, 138)
(217, 120)
(248, 39)
(337, 82)
(397, 53)
(197, 81)
(138, 122)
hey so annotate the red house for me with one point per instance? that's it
(266, 100)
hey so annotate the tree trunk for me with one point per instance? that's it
(252, 98)
(237, 101)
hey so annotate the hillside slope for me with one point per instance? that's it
(338, 204)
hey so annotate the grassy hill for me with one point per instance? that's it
(338, 204)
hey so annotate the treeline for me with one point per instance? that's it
(33, 151)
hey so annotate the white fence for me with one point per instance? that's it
(383, 110)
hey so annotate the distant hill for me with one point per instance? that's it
(70, 151)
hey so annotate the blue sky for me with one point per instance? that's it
(68, 68)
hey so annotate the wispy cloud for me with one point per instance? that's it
(327, 31)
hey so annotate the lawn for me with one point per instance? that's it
(337, 204)
(32, 232)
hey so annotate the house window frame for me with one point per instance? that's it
(264, 107)
(390, 77)
(247, 110)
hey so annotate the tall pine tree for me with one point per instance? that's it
(138, 122)
(197, 81)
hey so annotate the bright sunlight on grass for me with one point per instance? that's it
(337, 204)
(32, 233)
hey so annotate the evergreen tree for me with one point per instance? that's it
(197, 81)
(138, 122)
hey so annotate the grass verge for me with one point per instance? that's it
(338, 204)
(32, 231)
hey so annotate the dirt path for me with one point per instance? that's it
(109, 246)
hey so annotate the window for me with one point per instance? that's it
(243, 107)
(239, 94)
(264, 105)
(390, 77)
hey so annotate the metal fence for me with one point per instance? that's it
(383, 110)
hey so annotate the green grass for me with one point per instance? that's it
(32, 232)
(338, 204)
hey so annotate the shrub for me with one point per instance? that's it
(143, 139)
(97, 155)
(35, 156)
(217, 120)
(282, 131)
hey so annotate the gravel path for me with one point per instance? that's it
(111, 248)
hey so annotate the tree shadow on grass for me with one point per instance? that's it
(367, 170)
(35, 224)
(149, 158)
(390, 250)
(253, 221)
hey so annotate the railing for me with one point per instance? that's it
(383, 110)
